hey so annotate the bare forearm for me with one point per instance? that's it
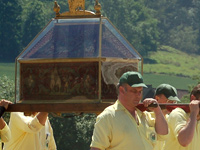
(186, 134)
(161, 125)
(42, 117)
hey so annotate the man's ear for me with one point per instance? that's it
(121, 89)
(156, 97)
(192, 97)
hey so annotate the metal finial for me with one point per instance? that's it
(97, 7)
(56, 8)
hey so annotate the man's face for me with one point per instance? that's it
(195, 97)
(133, 94)
(162, 99)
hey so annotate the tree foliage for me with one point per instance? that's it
(34, 20)
(73, 132)
(7, 88)
(184, 38)
(10, 29)
(7, 91)
(177, 20)
(135, 21)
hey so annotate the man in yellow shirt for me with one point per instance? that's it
(30, 132)
(4, 129)
(185, 127)
(122, 126)
(165, 93)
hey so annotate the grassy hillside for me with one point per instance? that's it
(172, 62)
(172, 66)
(178, 82)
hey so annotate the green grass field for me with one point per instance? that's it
(178, 82)
(171, 66)
(171, 61)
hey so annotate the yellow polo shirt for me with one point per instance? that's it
(176, 121)
(5, 135)
(116, 129)
(28, 134)
(161, 143)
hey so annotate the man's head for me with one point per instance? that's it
(130, 88)
(132, 78)
(195, 93)
(166, 93)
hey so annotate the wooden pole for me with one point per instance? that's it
(60, 107)
(80, 107)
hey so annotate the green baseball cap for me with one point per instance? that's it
(132, 78)
(169, 91)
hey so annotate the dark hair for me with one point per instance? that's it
(196, 91)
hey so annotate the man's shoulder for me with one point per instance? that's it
(108, 111)
(177, 111)
(177, 114)
(17, 113)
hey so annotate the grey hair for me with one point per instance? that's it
(123, 85)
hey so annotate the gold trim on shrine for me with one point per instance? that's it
(77, 10)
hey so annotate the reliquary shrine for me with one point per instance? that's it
(78, 57)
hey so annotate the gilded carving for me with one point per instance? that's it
(56, 8)
(76, 5)
(77, 8)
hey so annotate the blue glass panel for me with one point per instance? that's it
(77, 38)
(34, 46)
(114, 44)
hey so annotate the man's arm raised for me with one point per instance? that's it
(186, 134)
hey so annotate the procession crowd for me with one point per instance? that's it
(122, 126)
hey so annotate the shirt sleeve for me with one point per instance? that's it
(5, 134)
(150, 117)
(26, 123)
(102, 135)
(52, 143)
(177, 120)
